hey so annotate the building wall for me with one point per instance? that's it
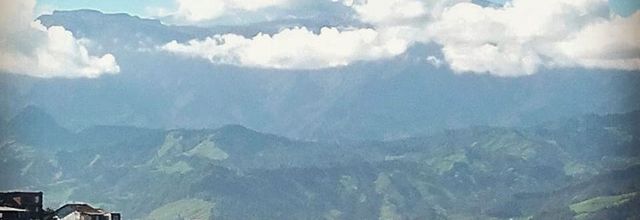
(31, 201)
(114, 216)
(9, 215)
(79, 216)
(72, 216)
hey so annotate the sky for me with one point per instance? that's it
(148, 8)
(516, 40)
(624, 7)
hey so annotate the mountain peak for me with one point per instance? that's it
(34, 125)
(66, 17)
(235, 128)
(243, 134)
(78, 11)
(33, 114)
(88, 13)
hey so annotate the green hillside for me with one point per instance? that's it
(580, 168)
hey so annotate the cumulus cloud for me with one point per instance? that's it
(299, 48)
(525, 35)
(517, 39)
(387, 11)
(613, 44)
(27, 47)
(194, 11)
(295, 48)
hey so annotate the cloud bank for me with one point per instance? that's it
(387, 12)
(525, 35)
(295, 48)
(197, 11)
(27, 47)
(518, 39)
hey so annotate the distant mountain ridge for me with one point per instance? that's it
(545, 171)
(380, 100)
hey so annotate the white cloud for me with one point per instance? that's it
(296, 48)
(514, 40)
(387, 11)
(27, 47)
(194, 11)
(525, 35)
(613, 44)
(299, 48)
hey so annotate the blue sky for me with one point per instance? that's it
(139, 7)
(624, 7)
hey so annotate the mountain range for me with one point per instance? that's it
(376, 100)
(580, 168)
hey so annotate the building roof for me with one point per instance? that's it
(80, 207)
(21, 192)
(11, 209)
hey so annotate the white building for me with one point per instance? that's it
(82, 211)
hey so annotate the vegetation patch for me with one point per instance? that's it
(208, 149)
(179, 167)
(512, 144)
(193, 209)
(577, 169)
(442, 165)
(582, 209)
(170, 142)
